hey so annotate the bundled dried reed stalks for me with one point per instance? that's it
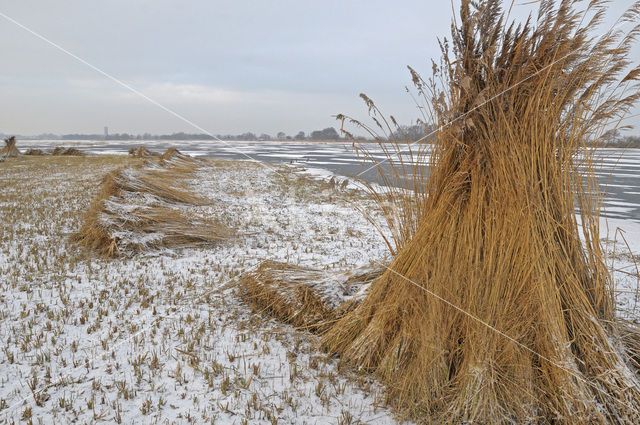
(62, 151)
(282, 290)
(498, 307)
(143, 207)
(304, 297)
(10, 149)
(33, 151)
(177, 159)
(142, 152)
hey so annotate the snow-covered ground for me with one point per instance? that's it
(622, 242)
(163, 337)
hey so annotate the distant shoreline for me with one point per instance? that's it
(160, 140)
(151, 141)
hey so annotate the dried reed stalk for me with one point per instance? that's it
(32, 151)
(281, 290)
(533, 336)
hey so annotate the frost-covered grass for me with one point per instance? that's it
(622, 241)
(162, 337)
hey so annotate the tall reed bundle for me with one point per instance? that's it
(143, 207)
(10, 149)
(498, 307)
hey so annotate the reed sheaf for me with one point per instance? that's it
(10, 149)
(304, 297)
(498, 306)
(144, 207)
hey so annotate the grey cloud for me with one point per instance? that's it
(260, 65)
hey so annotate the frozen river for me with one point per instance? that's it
(619, 172)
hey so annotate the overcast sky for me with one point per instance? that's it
(228, 66)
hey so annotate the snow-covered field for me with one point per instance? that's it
(163, 337)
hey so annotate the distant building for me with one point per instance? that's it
(106, 132)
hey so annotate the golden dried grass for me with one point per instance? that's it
(34, 152)
(177, 159)
(144, 203)
(498, 307)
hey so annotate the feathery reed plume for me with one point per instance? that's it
(498, 306)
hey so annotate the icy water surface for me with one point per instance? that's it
(619, 172)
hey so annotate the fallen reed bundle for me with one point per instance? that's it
(57, 151)
(304, 297)
(498, 307)
(62, 151)
(282, 290)
(177, 159)
(10, 149)
(142, 152)
(146, 207)
(34, 151)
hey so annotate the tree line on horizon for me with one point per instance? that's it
(329, 133)
(410, 133)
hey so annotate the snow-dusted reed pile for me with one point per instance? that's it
(305, 297)
(62, 151)
(142, 152)
(144, 207)
(57, 151)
